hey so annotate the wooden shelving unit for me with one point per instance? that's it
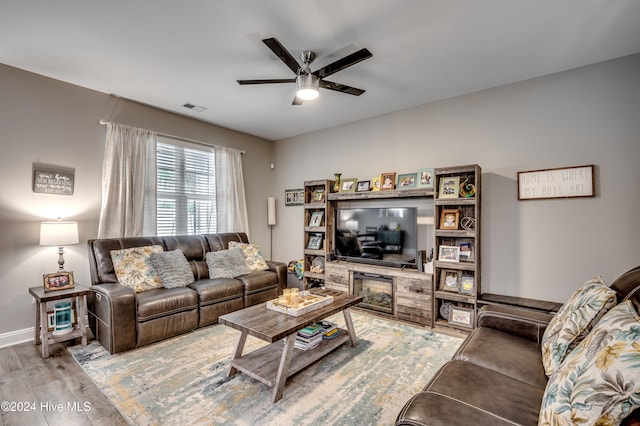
(316, 205)
(465, 235)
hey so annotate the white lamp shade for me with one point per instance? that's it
(271, 211)
(58, 233)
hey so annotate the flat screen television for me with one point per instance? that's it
(386, 236)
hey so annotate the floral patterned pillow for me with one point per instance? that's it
(574, 320)
(252, 255)
(599, 381)
(133, 268)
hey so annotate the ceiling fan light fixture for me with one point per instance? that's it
(308, 86)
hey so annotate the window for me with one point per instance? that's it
(186, 189)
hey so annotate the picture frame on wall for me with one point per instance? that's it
(406, 181)
(58, 281)
(449, 187)
(449, 253)
(294, 197)
(449, 219)
(459, 315)
(425, 178)
(387, 181)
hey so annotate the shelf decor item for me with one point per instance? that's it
(467, 188)
(348, 185)
(449, 187)
(315, 242)
(375, 184)
(316, 218)
(363, 186)
(449, 219)
(449, 254)
(58, 281)
(449, 280)
(425, 178)
(467, 285)
(406, 181)
(461, 316)
(387, 181)
(336, 182)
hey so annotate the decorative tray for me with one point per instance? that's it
(307, 303)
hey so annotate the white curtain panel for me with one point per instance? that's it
(231, 203)
(123, 181)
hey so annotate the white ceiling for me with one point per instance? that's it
(167, 52)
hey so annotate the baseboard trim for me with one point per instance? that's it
(18, 336)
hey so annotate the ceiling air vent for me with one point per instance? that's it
(194, 107)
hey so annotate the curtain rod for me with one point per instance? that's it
(166, 135)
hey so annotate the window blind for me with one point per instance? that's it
(185, 189)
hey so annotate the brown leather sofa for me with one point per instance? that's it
(496, 377)
(121, 319)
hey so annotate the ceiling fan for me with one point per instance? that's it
(308, 83)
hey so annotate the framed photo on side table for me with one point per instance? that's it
(461, 316)
(58, 281)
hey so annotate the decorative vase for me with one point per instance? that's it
(336, 183)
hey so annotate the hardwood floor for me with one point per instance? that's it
(52, 391)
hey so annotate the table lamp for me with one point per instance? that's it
(59, 234)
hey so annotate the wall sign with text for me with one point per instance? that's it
(53, 182)
(565, 182)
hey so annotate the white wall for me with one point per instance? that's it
(540, 249)
(47, 121)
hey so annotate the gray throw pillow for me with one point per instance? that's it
(173, 268)
(226, 263)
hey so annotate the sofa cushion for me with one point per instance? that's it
(452, 398)
(258, 281)
(133, 269)
(511, 355)
(252, 255)
(163, 302)
(172, 268)
(599, 382)
(574, 320)
(217, 290)
(226, 263)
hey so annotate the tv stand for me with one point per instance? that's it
(411, 289)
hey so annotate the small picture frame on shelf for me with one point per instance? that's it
(363, 186)
(294, 197)
(387, 181)
(467, 284)
(466, 250)
(315, 242)
(375, 184)
(317, 196)
(406, 181)
(459, 315)
(316, 218)
(58, 281)
(449, 219)
(449, 187)
(348, 185)
(449, 280)
(425, 178)
(449, 253)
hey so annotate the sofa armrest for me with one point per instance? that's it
(513, 320)
(112, 315)
(280, 269)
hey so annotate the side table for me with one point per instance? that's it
(43, 336)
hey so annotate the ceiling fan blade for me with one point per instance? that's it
(297, 101)
(343, 63)
(282, 53)
(269, 81)
(341, 88)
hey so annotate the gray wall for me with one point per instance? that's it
(541, 249)
(48, 121)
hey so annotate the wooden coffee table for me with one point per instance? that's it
(274, 363)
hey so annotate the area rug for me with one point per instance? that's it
(183, 380)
